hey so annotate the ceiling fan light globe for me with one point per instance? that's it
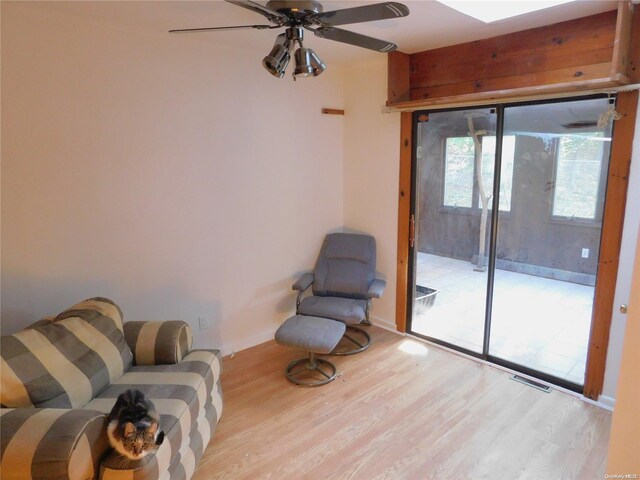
(316, 62)
(304, 67)
(303, 72)
(276, 73)
(274, 69)
(317, 71)
(276, 62)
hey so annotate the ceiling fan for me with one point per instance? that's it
(297, 15)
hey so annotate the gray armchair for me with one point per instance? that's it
(343, 284)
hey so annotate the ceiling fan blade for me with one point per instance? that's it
(272, 15)
(367, 13)
(356, 39)
(210, 29)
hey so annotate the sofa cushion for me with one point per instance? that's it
(160, 342)
(184, 463)
(182, 394)
(52, 443)
(66, 362)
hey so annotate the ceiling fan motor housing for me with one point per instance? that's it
(295, 9)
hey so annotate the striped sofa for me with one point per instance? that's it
(61, 376)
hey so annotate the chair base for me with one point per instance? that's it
(311, 364)
(361, 344)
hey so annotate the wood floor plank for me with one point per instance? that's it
(400, 410)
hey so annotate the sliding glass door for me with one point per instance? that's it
(508, 206)
(547, 248)
(455, 158)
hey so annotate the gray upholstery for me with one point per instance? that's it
(303, 282)
(376, 288)
(348, 310)
(313, 334)
(346, 266)
(343, 284)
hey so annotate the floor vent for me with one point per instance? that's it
(531, 383)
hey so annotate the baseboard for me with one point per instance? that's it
(248, 342)
(385, 324)
(606, 402)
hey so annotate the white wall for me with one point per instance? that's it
(175, 177)
(371, 172)
(624, 443)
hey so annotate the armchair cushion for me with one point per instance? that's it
(66, 362)
(376, 288)
(346, 266)
(303, 282)
(158, 342)
(52, 443)
(347, 310)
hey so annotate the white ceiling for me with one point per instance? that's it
(429, 25)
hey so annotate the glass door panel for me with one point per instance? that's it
(455, 156)
(549, 236)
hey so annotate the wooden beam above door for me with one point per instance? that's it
(587, 53)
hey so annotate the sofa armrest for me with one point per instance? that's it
(376, 288)
(158, 342)
(52, 443)
(303, 282)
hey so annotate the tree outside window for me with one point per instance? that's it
(460, 174)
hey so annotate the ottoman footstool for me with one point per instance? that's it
(316, 335)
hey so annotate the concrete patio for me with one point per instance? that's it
(537, 322)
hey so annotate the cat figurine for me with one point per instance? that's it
(134, 425)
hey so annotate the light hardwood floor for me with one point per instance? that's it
(400, 410)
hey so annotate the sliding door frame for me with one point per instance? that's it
(404, 219)
(611, 236)
(611, 239)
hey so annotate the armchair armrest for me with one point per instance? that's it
(376, 288)
(158, 342)
(57, 442)
(303, 282)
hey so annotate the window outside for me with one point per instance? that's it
(578, 175)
